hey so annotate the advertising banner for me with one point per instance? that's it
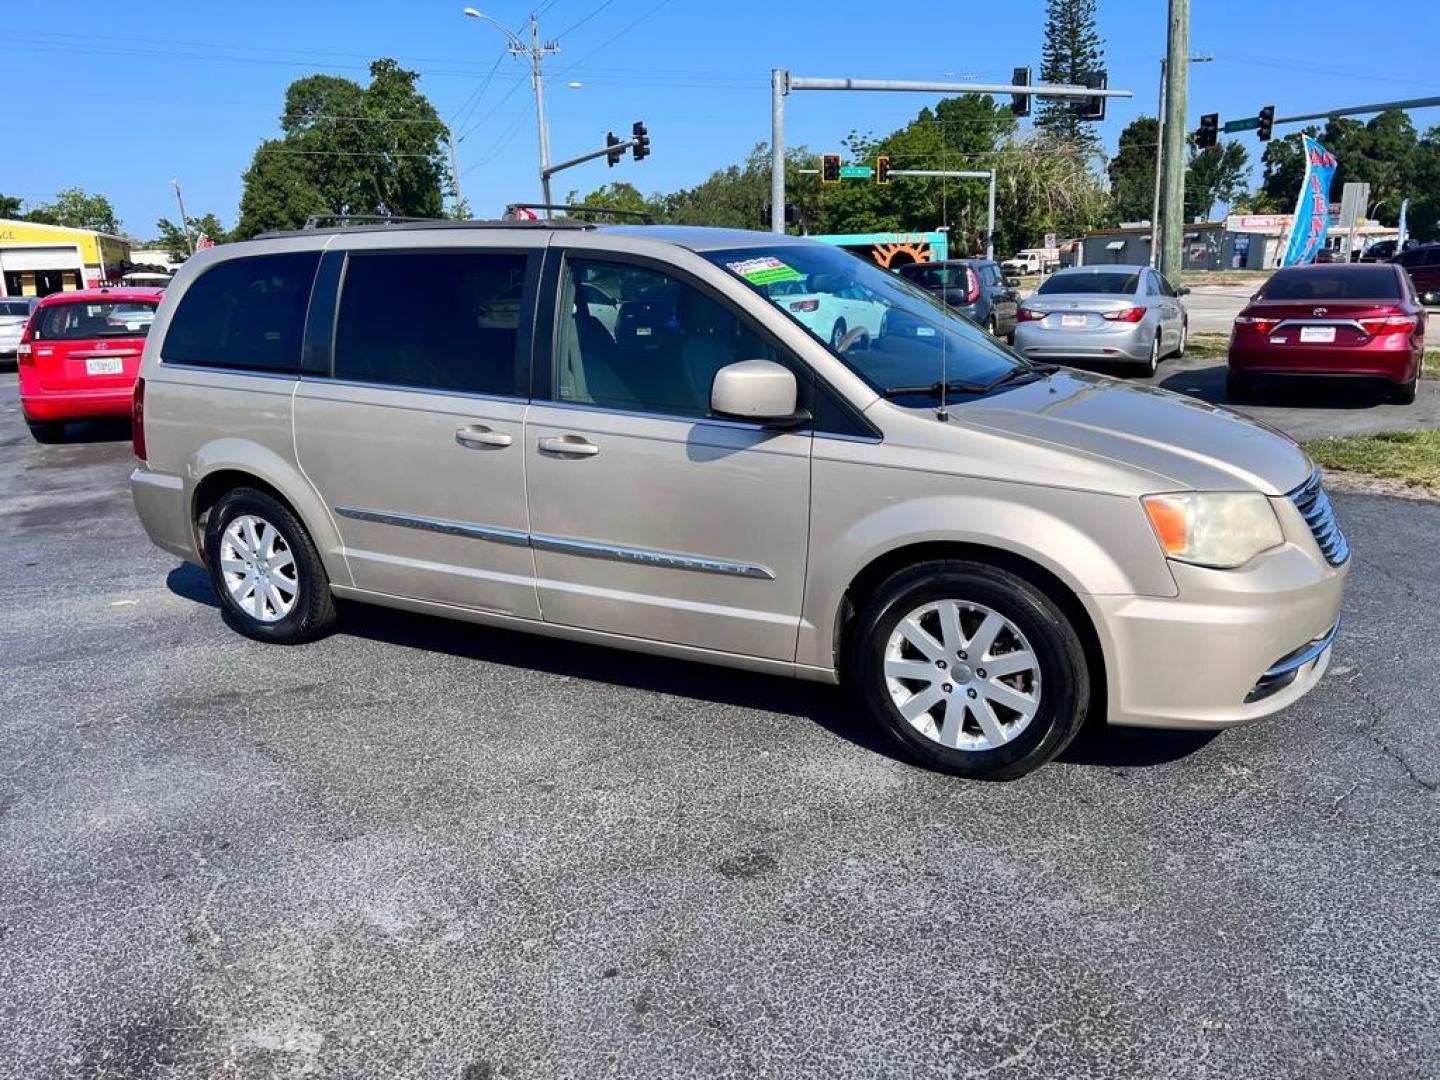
(1312, 207)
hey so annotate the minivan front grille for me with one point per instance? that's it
(1314, 506)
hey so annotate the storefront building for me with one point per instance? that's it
(36, 260)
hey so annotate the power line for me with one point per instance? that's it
(617, 36)
(575, 26)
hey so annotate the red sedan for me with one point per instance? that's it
(80, 355)
(1361, 320)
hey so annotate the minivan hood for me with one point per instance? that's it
(1191, 444)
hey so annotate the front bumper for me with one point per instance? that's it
(1121, 342)
(1232, 647)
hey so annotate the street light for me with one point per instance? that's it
(536, 53)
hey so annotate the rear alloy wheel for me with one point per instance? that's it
(46, 431)
(971, 669)
(269, 577)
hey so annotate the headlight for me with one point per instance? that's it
(1213, 528)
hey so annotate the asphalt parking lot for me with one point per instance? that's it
(425, 849)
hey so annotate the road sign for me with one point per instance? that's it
(856, 172)
(1250, 123)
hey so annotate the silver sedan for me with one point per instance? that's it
(1129, 314)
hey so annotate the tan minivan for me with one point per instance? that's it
(734, 447)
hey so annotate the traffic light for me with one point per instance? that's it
(1267, 123)
(882, 170)
(829, 168)
(613, 156)
(1093, 108)
(1209, 132)
(641, 149)
(792, 215)
(1020, 103)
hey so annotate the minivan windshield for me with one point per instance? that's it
(897, 337)
(1117, 283)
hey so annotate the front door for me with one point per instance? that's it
(650, 517)
(416, 443)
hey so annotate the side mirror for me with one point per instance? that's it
(1183, 290)
(757, 390)
(1012, 282)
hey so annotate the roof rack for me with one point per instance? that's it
(387, 224)
(644, 216)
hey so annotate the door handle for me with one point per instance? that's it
(478, 436)
(568, 446)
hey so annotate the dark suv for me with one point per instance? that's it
(1423, 265)
(976, 288)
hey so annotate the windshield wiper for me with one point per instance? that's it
(1027, 372)
(953, 386)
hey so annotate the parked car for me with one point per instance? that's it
(1125, 313)
(14, 314)
(842, 315)
(1359, 320)
(1384, 250)
(79, 356)
(1030, 261)
(975, 288)
(1423, 265)
(980, 548)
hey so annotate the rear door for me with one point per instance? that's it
(1006, 299)
(650, 517)
(415, 439)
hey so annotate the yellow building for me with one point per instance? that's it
(36, 260)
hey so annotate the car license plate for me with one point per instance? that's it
(1319, 335)
(1073, 320)
(104, 365)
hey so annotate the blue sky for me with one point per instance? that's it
(122, 97)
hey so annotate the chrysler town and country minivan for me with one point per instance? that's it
(982, 549)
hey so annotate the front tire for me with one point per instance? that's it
(1149, 366)
(970, 669)
(266, 571)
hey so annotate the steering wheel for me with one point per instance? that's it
(851, 338)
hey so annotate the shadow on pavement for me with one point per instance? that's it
(1102, 746)
(1294, 391)
(193, 584)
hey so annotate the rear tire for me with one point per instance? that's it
(1179, 353)
(991, 327)
(1047, 666)
(1404, 393)
(290, 565)
(837, 334)
(46, 431)
(1147, 368)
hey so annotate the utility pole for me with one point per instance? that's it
(535, 52)
(454, 165)
(1155, 240)
(184, 221)
(1177, 74)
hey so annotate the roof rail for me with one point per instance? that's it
(644, 216)
(314, 220)
(391, 224)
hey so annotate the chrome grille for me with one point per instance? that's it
(1314, 506)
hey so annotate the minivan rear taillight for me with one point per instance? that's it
(137, 419)
(24, 355)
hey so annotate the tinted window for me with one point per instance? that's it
(1350, 283)
(436, 320)
(14, 307)
(77, 321)
(244, 313)
(1117, 283)
(656, 349)
(991, 274)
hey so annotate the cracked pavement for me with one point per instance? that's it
(426, 849)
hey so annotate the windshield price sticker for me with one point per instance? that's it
(765, 270)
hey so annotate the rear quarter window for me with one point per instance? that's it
(246, 313)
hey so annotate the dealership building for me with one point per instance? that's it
(36, 260)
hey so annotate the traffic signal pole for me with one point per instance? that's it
(782, 83)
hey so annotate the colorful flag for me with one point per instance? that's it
(1312, 207)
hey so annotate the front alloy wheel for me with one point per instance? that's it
(962, 675)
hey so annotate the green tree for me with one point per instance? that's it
(349, 150)
(619, 196)
(78, 209)
(1217, 174)
(1072, 49)
(1132, 170)
(10, 206)
(1046, 185)
(173, 239)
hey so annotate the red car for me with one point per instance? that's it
(79, 356)
(1361, 320)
